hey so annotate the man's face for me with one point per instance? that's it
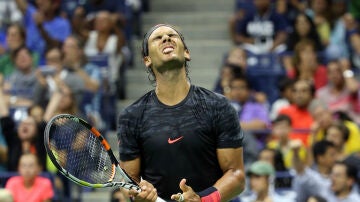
(281, 130)
(329, 158)
(334, 73)
(339, 180)
(23, 60)
(239, 90)
(322, 116)
(302, 94)
(258, 183)
(166, 49)
(71, 50)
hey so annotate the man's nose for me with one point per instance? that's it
(166, 38)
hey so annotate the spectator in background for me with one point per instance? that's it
(303, 29)
(301, 119)
(334, 182)
(9, 14)
(281, 129)
(242, 9)
(29, 186)
(252, 115)
(286, 97)
(234, 65)
(290, 9)
(15, 38)
(341, 88)
(227, 73)
(22, 82)
(238, 57)
(338, 47)
(62, 101)
(320, 12)
(275, 158)
(107, 39)
(261, 176)
(26, 137)
(323, 118)
(75, 61)
(353, 39)
(338, 134)
(262, 31)
(313, 181)
(306, 65)
(45, 28)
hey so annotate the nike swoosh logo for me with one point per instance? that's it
(170, 141)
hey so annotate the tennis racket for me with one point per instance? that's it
(83, 155)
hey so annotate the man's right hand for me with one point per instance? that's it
(148, 192)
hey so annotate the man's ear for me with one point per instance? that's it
(187, 55)
(147, 61)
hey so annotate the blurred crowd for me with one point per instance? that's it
(58, 56)
(293, 75)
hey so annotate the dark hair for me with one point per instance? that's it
(145, 49)
(282, 117)
(310, 84)
(342, 116)
(341, 127)
(320, 148)
(21, 30)
(15, 53)
(285, 83)
(351, 171)
(241, 77)
(294, 36)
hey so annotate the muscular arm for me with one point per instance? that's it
(232, 183)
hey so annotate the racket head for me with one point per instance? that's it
(82, 154)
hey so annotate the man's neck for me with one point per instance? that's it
(261, 196)
(343, 194)
(172, 87)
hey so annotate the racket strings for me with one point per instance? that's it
(79, 151)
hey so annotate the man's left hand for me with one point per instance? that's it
(187, 195)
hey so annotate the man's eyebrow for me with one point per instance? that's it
(161, 34)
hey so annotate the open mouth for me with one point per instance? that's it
(168, 49)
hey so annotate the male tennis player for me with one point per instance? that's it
(180, 141)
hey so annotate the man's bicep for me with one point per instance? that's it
(230, 158)
(132, 168)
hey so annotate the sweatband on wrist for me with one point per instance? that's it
(210, 194)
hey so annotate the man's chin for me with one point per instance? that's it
(171, 65)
